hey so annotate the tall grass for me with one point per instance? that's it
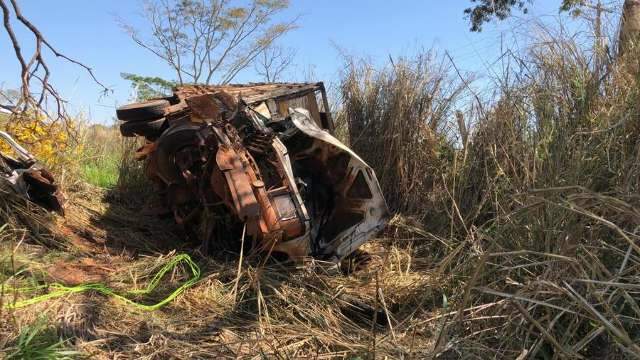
(102, 149)
(396, 117)
(535, 204)
(108, 160)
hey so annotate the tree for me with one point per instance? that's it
(273, 61)
(591, 10)
(209, 41)
(629, 26)
(147, 87)
(486, 10)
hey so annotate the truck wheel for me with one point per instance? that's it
(142, 111)
(149, 129)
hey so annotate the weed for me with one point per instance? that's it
(38, 341)
(102, 173)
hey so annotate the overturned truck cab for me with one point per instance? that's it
(257, 163)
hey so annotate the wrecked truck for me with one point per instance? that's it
(258, 165)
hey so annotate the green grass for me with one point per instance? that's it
(39, 341)
(102, 172)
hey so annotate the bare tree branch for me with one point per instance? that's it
(273, 61)
(37, 65)
(209, 40)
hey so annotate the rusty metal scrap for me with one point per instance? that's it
(261, 160)
(23, 175)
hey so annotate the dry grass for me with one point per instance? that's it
(397, 117)
(534, 206)
(276, 310)
(268, 309)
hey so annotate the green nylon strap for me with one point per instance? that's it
(59, 290)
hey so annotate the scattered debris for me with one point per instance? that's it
(26, 177)
(258, 160)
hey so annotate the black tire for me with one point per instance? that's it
(143, 111)
(168, 144)
(149, 129)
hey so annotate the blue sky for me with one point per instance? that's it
(87, 31)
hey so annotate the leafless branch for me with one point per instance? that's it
(36, 68)
(207, 41)
(273, 61)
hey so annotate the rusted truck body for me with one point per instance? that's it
(258, 164)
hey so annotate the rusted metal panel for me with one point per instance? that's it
(330, 126)
(250, 93)
(355, 219)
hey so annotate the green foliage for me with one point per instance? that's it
(147, 87)
(572, 6)
(484, 11)
(102, 148)
(38, 341)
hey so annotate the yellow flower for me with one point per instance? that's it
(48, 141)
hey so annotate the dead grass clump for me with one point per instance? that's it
(267, 309)
(562, 263)
(535, 213)
(26, 221)
(396, 118)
